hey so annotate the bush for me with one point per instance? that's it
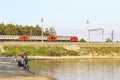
(108, 40)
(53, 53)
(72, 53)
(82, 40)
(7, 54)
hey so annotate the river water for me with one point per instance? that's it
(78, 69)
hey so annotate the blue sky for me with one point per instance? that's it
(67, 16)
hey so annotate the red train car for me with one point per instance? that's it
(73, 38)
(24, 38)
(52, 38)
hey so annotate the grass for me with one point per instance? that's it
(36, 51)
(60, 51)
(101, 51)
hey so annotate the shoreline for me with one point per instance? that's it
(72, 57)
(10, 71)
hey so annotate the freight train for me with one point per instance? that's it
(39, 38)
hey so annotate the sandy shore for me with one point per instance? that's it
(10, 71)
(27, 78)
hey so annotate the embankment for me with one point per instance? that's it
(68, 49)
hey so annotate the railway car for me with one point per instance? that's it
(9, 38)
(73, 38)
(39, 38)
(24, 38)
(52, 38)
(63, 38)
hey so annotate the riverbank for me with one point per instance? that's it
(72, 57)
(10, 71)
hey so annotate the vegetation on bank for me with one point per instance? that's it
(37, 51)
(100, 51)
(61, 51)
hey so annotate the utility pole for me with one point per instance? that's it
(112, 34)
(88, 32)
(103, 35)
(42, 29)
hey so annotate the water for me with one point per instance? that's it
(78, 69)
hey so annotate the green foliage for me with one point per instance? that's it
(101, 51)
(47, 32)
(60, 51)
(11, 29)
(10, 53)
(108, 40)
(7, 54)
(101, 48)
(82, 40)
(72, 53)
(53, 53)
(52, 31)
(34, 51)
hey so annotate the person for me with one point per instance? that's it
(21, 61)
(15, 59)
(20, 64)
(25, 60)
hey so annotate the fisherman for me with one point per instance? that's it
(25, 62)
(21, 61)
(25, 59)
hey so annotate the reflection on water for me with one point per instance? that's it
(78, 69)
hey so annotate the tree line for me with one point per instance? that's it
(11, 29)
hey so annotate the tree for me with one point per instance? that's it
(82, 40)
(31, 31)
(25, 30)
(108, 40)
(52, 31)
(10, 29)
(19, 29)
(1, 28)
(38, 30)
(47, 32)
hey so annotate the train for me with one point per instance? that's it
(38, 38)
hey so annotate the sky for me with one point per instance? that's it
(68, 17)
